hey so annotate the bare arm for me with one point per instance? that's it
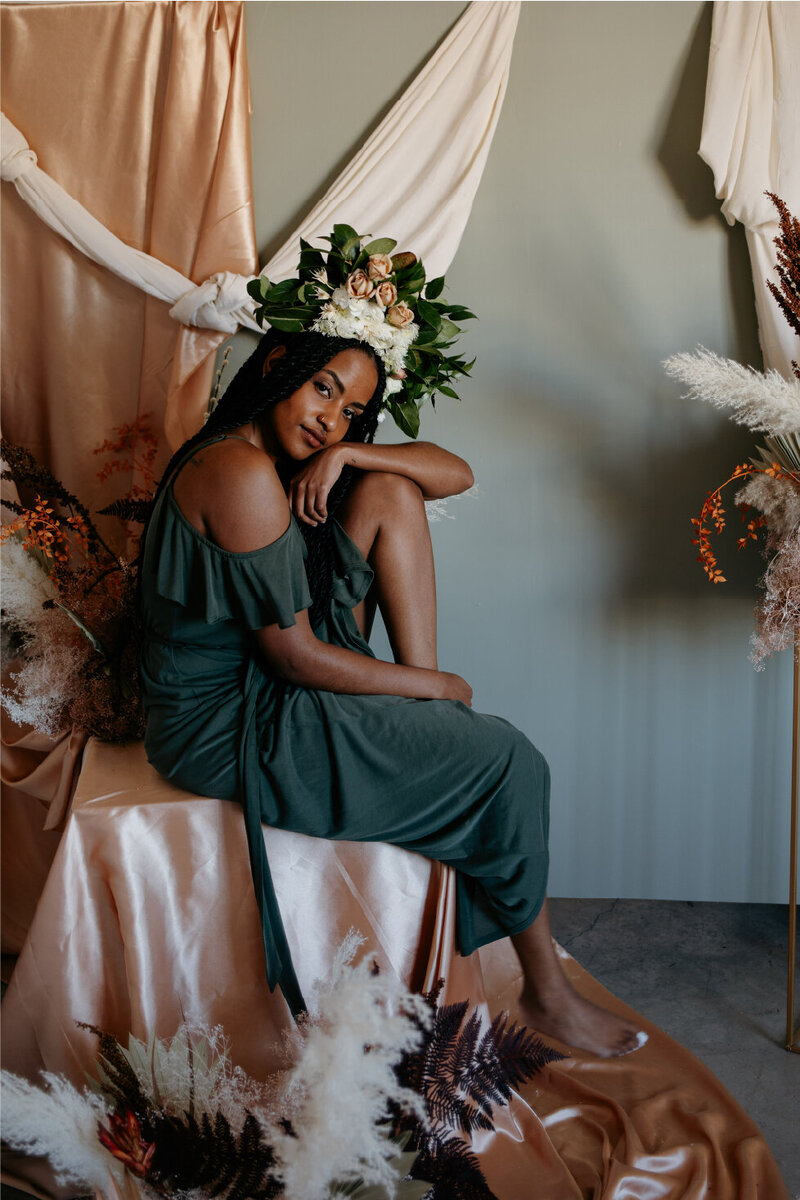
(297, 655)
(437, 472)
(234, 496)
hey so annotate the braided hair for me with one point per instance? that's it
(252, 392)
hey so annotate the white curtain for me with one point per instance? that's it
(751, 140)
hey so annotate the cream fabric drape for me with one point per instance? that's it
(751, 139)
(140, 112)
(415, 177)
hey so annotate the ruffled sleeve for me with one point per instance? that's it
(260, 587)
(353, 574)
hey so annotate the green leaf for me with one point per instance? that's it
(406, 416)
(434, 288)
(345, 239)
(83, 628)
(286, 325)
(342, 234)
(447, 330)
(283, 290)
(448, 391)
(380, 246)
(459, 313)
(411, 277)
(311, 259)
(336, 267)
(428, 313)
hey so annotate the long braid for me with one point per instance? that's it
(251, 393)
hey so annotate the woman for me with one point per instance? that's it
(260, 689)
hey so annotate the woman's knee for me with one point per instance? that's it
(388, 493)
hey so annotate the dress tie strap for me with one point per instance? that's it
(280, 969)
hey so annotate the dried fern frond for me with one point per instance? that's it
(128, 509)
(462, 1075)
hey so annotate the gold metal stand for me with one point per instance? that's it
(792, 1034)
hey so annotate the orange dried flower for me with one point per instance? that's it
(713, 513)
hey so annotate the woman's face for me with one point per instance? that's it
(319, 413)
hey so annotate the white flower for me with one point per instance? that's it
(26, 586)
(347, 317)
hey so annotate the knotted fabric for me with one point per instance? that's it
(415, 178)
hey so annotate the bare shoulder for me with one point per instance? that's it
(231, 492)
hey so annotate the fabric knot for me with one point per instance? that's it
(215, 303)
(17, 156)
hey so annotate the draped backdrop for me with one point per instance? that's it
(751, 141)
(151, 141)
(128, 235)
(416, 176)
(151, 135)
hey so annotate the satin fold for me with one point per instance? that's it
(148, 917)
(38, 776)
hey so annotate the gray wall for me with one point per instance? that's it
(569, 594)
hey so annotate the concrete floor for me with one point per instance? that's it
(712, 976)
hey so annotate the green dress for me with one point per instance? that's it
(428, 775)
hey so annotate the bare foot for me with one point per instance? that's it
(577, 1022)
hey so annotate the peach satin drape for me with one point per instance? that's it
(148, 916)
(140, 111)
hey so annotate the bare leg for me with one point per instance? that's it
(385, 516)
(551, 1006)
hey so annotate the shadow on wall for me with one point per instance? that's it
(641, 496)
(692, 181)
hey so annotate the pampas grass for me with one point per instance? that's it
(61, 1123)
(54, 655)
(764, 402)
(778, 612)
(340, 1092)
(327, 1119)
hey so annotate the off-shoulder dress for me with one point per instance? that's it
(431, 776)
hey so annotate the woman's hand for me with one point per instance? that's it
(310, 487)
(455, 688)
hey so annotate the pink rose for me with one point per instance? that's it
(359, 285)
(386, 294)
(400, 315)
(379, 266)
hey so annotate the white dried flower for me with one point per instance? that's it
(61, 1123)
(26, 587)
(766, 403)
(361, 1026)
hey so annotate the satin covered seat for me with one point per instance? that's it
(148, 917)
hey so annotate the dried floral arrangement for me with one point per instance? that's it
(766, 403)
(69, 605)
(382, 1087)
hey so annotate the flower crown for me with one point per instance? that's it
(360, 289)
